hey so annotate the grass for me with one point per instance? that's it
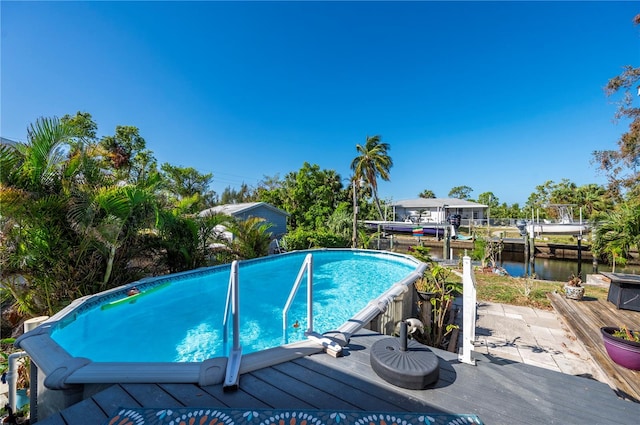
(514, 290)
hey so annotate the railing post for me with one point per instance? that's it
(309, 261)
(232, 377)
(468, 312)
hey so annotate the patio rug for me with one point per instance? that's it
(221, 416)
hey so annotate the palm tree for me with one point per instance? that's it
(103, 216)
(35, 242)
(372, 162)
(251, 238)
(618, 232)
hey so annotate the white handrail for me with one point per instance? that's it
(468, 311)
(235, 355)
(307, 266)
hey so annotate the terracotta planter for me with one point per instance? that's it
(623, 352)
(574, 292)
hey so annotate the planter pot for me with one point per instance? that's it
(574, 292)
(623, 352)
(426, 296)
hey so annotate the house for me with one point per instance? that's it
(275, 216)
(436, 210)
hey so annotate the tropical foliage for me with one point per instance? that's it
(373, 162)
(80, 215)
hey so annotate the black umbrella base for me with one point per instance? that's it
(415, 368)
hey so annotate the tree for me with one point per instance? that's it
(232, 196)
(618, 231)
(622, 166)
(128, 156)
(84, 127)
(251, 238)
(372, 162)
(310, 195)
(36, 242)
(427, 194)
(460, 192)
(489, 199)
(104, 216)
(186, 182)
(593, 199)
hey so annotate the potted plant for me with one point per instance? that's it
(426, 288)
(573, 289)
(622, 345)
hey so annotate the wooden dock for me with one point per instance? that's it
(497, 390)
(585, 318)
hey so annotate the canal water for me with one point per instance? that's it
(548, 269)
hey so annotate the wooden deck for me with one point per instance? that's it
(585, 318)
(498, 391)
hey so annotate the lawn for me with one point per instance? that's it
(514, 290)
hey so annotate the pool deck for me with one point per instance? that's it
(499, 391)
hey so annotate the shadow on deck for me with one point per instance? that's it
(585, 318)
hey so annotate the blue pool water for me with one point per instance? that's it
(182, 321)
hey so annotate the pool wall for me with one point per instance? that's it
(63, 380)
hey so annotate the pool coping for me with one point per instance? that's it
(64, 371)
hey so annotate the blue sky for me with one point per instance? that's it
(498, 96)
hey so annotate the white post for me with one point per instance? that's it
(232, 376)
(468, 312)
(309, 262)
(12, 377)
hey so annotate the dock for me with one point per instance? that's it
(585, 318)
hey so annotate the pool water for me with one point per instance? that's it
(182, 321)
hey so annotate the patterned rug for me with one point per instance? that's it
(220, 416)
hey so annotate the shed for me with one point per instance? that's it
(271, 214)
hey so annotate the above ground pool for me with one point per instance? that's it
(169, 329)
(178, 318)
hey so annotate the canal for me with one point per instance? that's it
(546, 268)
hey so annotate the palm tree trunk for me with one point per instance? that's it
(107, 273)
(377, 202)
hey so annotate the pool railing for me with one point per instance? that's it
(232, 372)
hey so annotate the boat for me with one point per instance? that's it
(417, 229)
(565, 225)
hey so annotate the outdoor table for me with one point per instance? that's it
(624, 290)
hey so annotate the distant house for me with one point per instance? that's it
(436, 210)
(271, 214)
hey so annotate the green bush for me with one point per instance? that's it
(305, 239)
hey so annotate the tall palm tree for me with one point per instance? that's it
(373, 161)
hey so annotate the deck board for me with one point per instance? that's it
(191, 395)
(585, 318)
(314, 397)
(497, 390)
(272, 394)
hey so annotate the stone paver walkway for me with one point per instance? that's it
(532, 336)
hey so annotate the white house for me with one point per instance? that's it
(271, 214)
(436, 210)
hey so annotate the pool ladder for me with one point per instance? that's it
(307, 267)
(232, 376)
